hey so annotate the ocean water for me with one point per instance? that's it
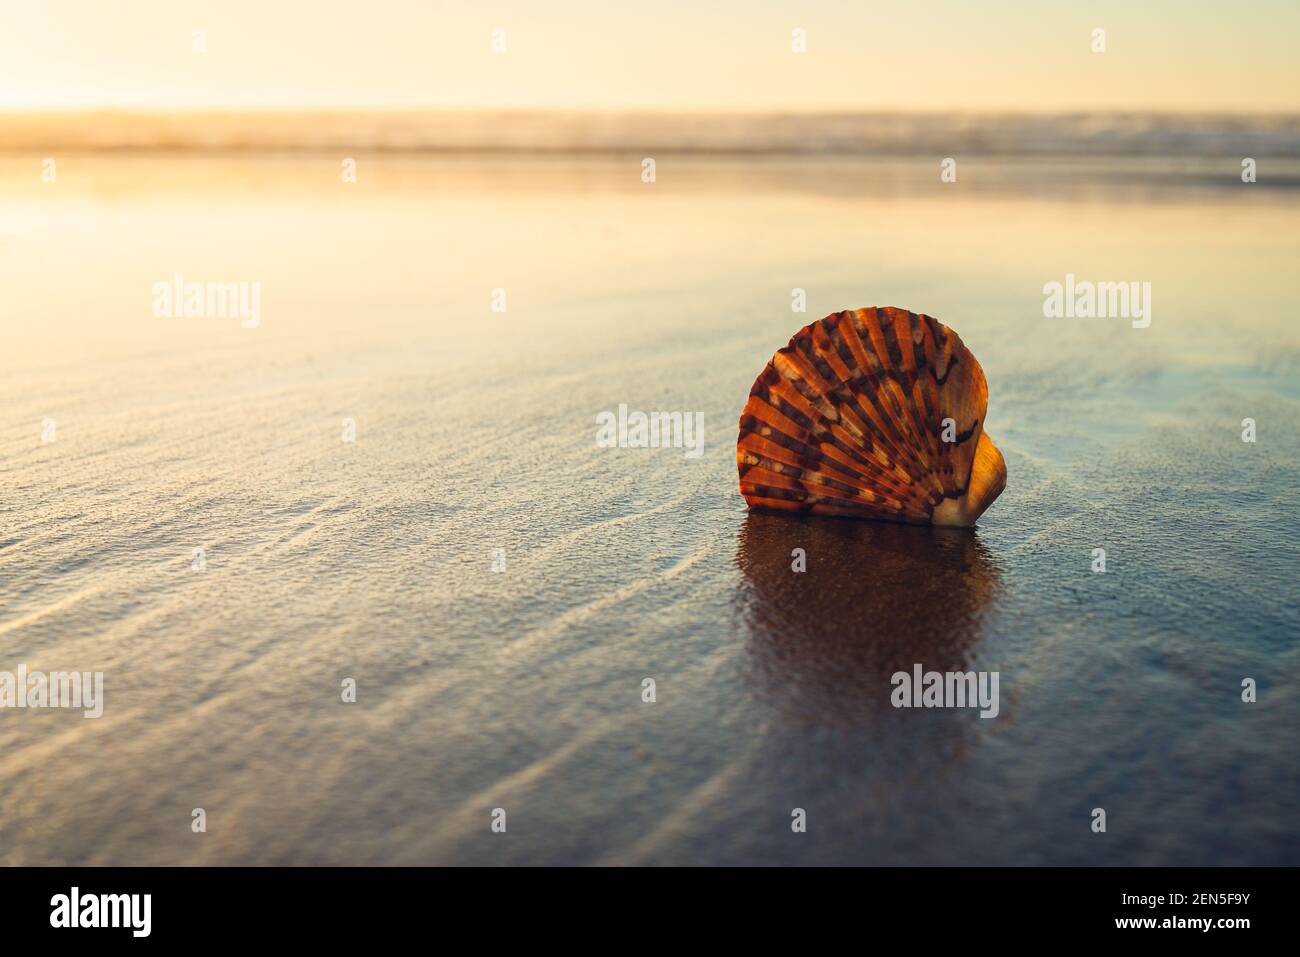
(372, 560)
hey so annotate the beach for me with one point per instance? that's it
(498, 586)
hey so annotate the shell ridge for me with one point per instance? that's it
(786, 428)
(847, 419)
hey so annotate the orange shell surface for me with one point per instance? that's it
(876, 413)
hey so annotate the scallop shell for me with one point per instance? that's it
(849, 419)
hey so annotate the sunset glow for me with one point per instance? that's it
(672, 55)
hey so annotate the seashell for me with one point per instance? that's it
(849, 419)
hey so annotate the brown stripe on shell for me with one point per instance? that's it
(846, 419)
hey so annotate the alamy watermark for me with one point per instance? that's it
(948, 689)
(653, 430)
(75, 909)
(1098, 300)
(179, 299)
(55, 689)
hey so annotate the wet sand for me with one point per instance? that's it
(372, 560)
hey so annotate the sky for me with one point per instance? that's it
(939, 55)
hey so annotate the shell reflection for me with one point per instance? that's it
(876, 598)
